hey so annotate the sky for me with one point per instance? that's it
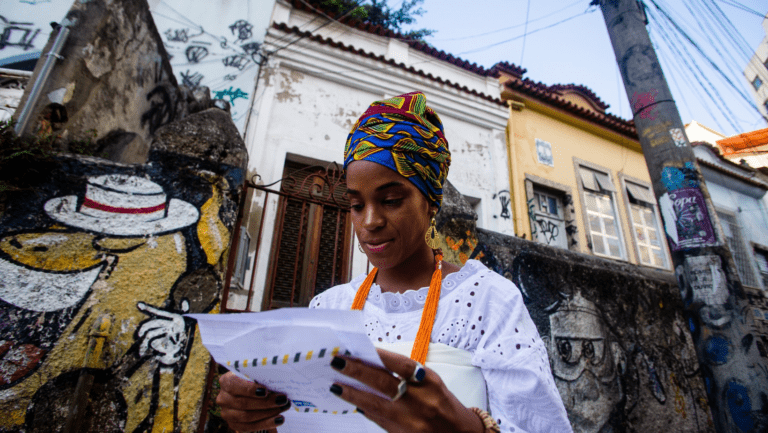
(576, 49)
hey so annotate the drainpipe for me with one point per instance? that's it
(45, 72)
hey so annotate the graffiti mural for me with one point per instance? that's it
(18, 34)
(96, 279)
(202, 42)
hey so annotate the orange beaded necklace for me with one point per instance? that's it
(421, 344)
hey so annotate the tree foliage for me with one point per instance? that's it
(378, 12)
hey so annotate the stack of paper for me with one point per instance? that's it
(290, 351)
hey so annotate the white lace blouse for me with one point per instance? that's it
(483, 313)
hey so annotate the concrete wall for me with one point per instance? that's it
(619, 343)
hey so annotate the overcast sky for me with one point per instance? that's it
(579, 51)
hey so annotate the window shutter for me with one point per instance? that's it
(640, 194)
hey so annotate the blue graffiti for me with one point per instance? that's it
(716, 350)
(231, 93)
(675, 178)
(740, 406)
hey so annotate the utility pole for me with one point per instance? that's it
(716, 308)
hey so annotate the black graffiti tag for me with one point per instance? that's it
(504, 201)
(548, 230)
(251, 49)
(16, 34)
(191, 80)
(162, 108)
(177, 35)
(238, 61)
(195, 53)
(242, 29)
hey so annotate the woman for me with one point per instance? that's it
(469, 324)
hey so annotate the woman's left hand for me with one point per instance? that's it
(427, 406)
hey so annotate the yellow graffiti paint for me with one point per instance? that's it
(52, 250)
(163, 420)
(213, 234)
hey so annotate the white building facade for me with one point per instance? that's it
(318, 78)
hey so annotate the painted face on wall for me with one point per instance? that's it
(585, 364)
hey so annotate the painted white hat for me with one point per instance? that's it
(123, 205)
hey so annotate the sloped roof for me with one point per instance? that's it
(746, 142)
(553, 96)
(415, 44)
(342, 46)
(729, 167)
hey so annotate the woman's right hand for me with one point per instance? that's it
(248, 406)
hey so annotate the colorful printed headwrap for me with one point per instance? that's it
(403, 134)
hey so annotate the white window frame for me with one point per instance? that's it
(642, 192)
(760, 253)
(594, 180)
(739, 251)
(563, 193)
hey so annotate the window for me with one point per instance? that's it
(645, 225)
(765, 104)
(311, 250)
(732, 232)
(757, 82)
(547, 222)
(602, 225)
(761, 258)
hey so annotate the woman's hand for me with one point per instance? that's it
(426, 406)
(248, 406)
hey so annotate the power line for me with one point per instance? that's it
(525, 32)
(508, 28)
(705, 56)
(742, 7)
(523, 35)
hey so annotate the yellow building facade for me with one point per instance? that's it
(578, 178)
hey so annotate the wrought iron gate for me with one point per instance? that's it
(310, 250)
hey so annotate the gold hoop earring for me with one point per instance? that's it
(432, 237)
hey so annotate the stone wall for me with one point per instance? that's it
(619, 344)
(99, 264)
(102, 255)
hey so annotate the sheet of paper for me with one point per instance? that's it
(290, 351)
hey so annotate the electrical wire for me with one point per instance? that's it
(507, 28)
(679, 55)
(523, 35)
(525, 32)
(706, 57)
(742, 7)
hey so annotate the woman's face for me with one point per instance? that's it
(389, 213)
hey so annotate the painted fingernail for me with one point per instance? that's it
(281, 400)
(336, 389)
(261, 392)
(279, 420)
(360, 411)
(338, 363)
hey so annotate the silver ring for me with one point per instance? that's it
(419, 372)
(401, 387)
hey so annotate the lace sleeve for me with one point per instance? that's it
(521, 391)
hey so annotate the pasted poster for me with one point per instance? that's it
(686, 220)
(217, 45)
